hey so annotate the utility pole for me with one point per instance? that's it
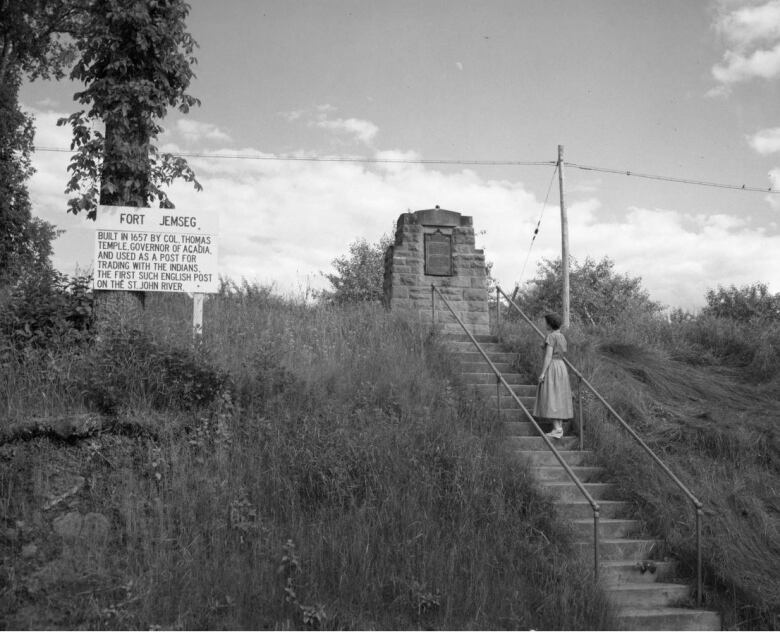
(564, 242)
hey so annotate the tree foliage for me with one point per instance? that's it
(359, 274)
(747, 303)
(135, 59)
(31, 45)
(598, 294)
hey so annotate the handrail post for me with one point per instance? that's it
(498, 398)
(433, 306)
(498, 316)
(596, 545)
(699, 514)
(579, 412)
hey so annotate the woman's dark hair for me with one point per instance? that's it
(553, 321)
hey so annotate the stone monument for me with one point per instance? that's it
(436, 246)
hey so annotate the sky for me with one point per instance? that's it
(675, 88)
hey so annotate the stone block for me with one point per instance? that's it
(473, 294)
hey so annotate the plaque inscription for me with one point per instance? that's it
(438, 254)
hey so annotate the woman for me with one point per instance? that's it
(553, 394)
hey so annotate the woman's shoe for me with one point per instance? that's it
(555, 433)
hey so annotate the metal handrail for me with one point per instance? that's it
(593, 504)
(694, 500)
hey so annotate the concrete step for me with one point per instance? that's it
(570, 491)
(508, 401)
(524, 427)
(545, 457)
(482, 366)
(488, 378)
(473, 356)
(486, 390)
(611, 528)
(620, 548)
(537, 443)
(668, 619)
(648, 595)
(581, 509)
(468, 346)
(634, 571)
(462, 336)
(557, 473)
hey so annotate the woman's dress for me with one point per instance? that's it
(553, 395)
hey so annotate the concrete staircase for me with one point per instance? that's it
(634, 573)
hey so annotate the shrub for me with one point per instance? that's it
(44, 305)
(128, 366)
(747, 303)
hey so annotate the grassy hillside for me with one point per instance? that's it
(304, 467)
(703, 393)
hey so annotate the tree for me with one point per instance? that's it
(135, 60)
(746, 303)
(360, 274)
(31, 45)
(598, 294)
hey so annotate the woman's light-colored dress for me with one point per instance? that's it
(553, 395)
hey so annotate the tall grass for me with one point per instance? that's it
(702, 394)
(302, 467)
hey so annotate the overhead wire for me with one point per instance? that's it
(358, 159)
(337, 159)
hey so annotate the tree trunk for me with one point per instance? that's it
(123, 308)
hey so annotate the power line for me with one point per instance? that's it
(336, 159)
(687, 181)
(358, 159)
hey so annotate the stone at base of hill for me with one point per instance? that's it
(74, 527)
(65, 427)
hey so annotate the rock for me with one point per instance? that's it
(96, 526)
(69, 526)
(9, 535)
(29, 551)
(91, 528)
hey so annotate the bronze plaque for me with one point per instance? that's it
(438, 254)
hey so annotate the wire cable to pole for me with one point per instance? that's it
(673, 179)
(538, 223)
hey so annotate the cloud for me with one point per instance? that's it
(752, 35)
(766, 141)
(283, 222)
(355, 129)
(459, 65)
(364, 131)
(193, 131)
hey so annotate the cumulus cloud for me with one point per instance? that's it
(352, 128)
(752, 36)
(766, 141)
(283, 222)
(364, 131)
(192, 131)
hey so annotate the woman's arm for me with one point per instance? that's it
(548, 352)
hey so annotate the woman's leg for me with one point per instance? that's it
(557, 431)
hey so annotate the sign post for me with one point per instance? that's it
(158, 250)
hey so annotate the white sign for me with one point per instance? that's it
(145, 249)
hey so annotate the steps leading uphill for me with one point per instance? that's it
(633, 572)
